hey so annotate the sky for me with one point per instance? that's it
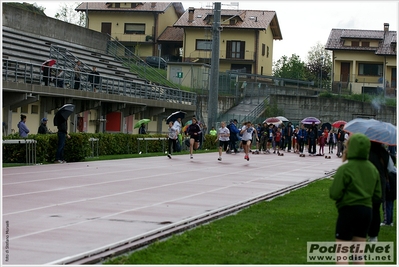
(303, 24)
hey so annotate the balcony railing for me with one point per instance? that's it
(23, 72)
(200, 54)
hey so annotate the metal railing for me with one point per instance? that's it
(24, 72)
(129, 59)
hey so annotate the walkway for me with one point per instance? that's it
(58, 213)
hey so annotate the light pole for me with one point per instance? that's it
(321, 70)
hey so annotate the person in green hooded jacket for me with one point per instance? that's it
(356, 185)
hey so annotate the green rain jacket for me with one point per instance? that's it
(356, 182)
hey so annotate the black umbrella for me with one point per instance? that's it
(63, 113)
(326, 124)
(175, 115)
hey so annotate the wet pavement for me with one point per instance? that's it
(58, 212)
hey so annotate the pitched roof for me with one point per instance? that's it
(247, 19)
(172, 34)
(143, 7)
(387, 42)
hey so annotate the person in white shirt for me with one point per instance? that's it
(246, 131)
(224, 138)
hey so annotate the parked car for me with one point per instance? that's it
(156, 61)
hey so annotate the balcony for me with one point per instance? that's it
(205, 54)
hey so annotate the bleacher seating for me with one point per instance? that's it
(28, 47)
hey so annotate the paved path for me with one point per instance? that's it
(52, 213)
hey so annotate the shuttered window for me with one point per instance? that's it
(235, 49)
(133, 28)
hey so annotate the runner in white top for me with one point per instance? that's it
(223, 137)
(247, 131)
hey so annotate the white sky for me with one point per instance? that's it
(303, 24)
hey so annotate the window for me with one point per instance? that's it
(366, 44)
(117, 5)
(267, 51)
(370, 69)
(133, 28)
(263, 49)
(24, 109)
(15, 110)
(235, 49)
(34, 109)
(261, 70)
(355, 43)
(203, 45)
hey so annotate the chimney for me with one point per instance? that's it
(386, 27)
(190, 14)
(153, 4)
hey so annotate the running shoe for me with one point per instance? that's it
(169, 156)
(219, 159)
(191, 156)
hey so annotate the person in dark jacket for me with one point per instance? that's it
(233, 135)
(194, 131)
(43, 127)
(94, 79)
(379, 156)
(142, 129)
(302, 138)
(62, 135)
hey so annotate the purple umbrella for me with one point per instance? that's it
(311, 120)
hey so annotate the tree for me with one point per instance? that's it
(319, 65)
(67, 13)
(30, 7)
(290, 68)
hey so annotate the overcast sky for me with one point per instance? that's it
(303, 24)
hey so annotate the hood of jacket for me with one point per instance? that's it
(358, 146)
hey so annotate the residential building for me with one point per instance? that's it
(246, 38)
(363, 60)
(137, 25)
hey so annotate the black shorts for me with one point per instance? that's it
(353, 221)
(195, 137)
(224, 144)
(244, 142)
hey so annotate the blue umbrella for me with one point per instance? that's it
(377, 131)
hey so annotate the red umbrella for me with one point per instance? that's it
(338, 123)
(49, 62)
(273, 120)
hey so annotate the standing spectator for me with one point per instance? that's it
(62, 135)
(94, 79)
(59, 79)
(142, 129)
(247, 131)
(295, 143)
(172, 138)
(355, 187)
(78, 69)
(302, 138)
(23, 129)
(390, 194)
(332, 141)
(270, 138)
(278, 139)
(46, 74)
(233, 135)
(379, 157)
(340, 140)
(223, 135)
(194, 131)
(264, 136)
(322, 141)
(312, 141)
(43, 127)
(213, 131)
(288, 136)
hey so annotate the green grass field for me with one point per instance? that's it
(270, 232)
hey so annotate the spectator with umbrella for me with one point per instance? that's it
(60, 120)
(46, 70)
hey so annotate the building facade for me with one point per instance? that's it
(364, 61)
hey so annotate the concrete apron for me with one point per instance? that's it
(57, 213)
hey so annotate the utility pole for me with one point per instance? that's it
(214, 77)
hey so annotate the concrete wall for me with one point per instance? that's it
(296, 108)
(45, 26)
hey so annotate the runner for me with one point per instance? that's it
(224, 138)
(247, 131)
(194, 131)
